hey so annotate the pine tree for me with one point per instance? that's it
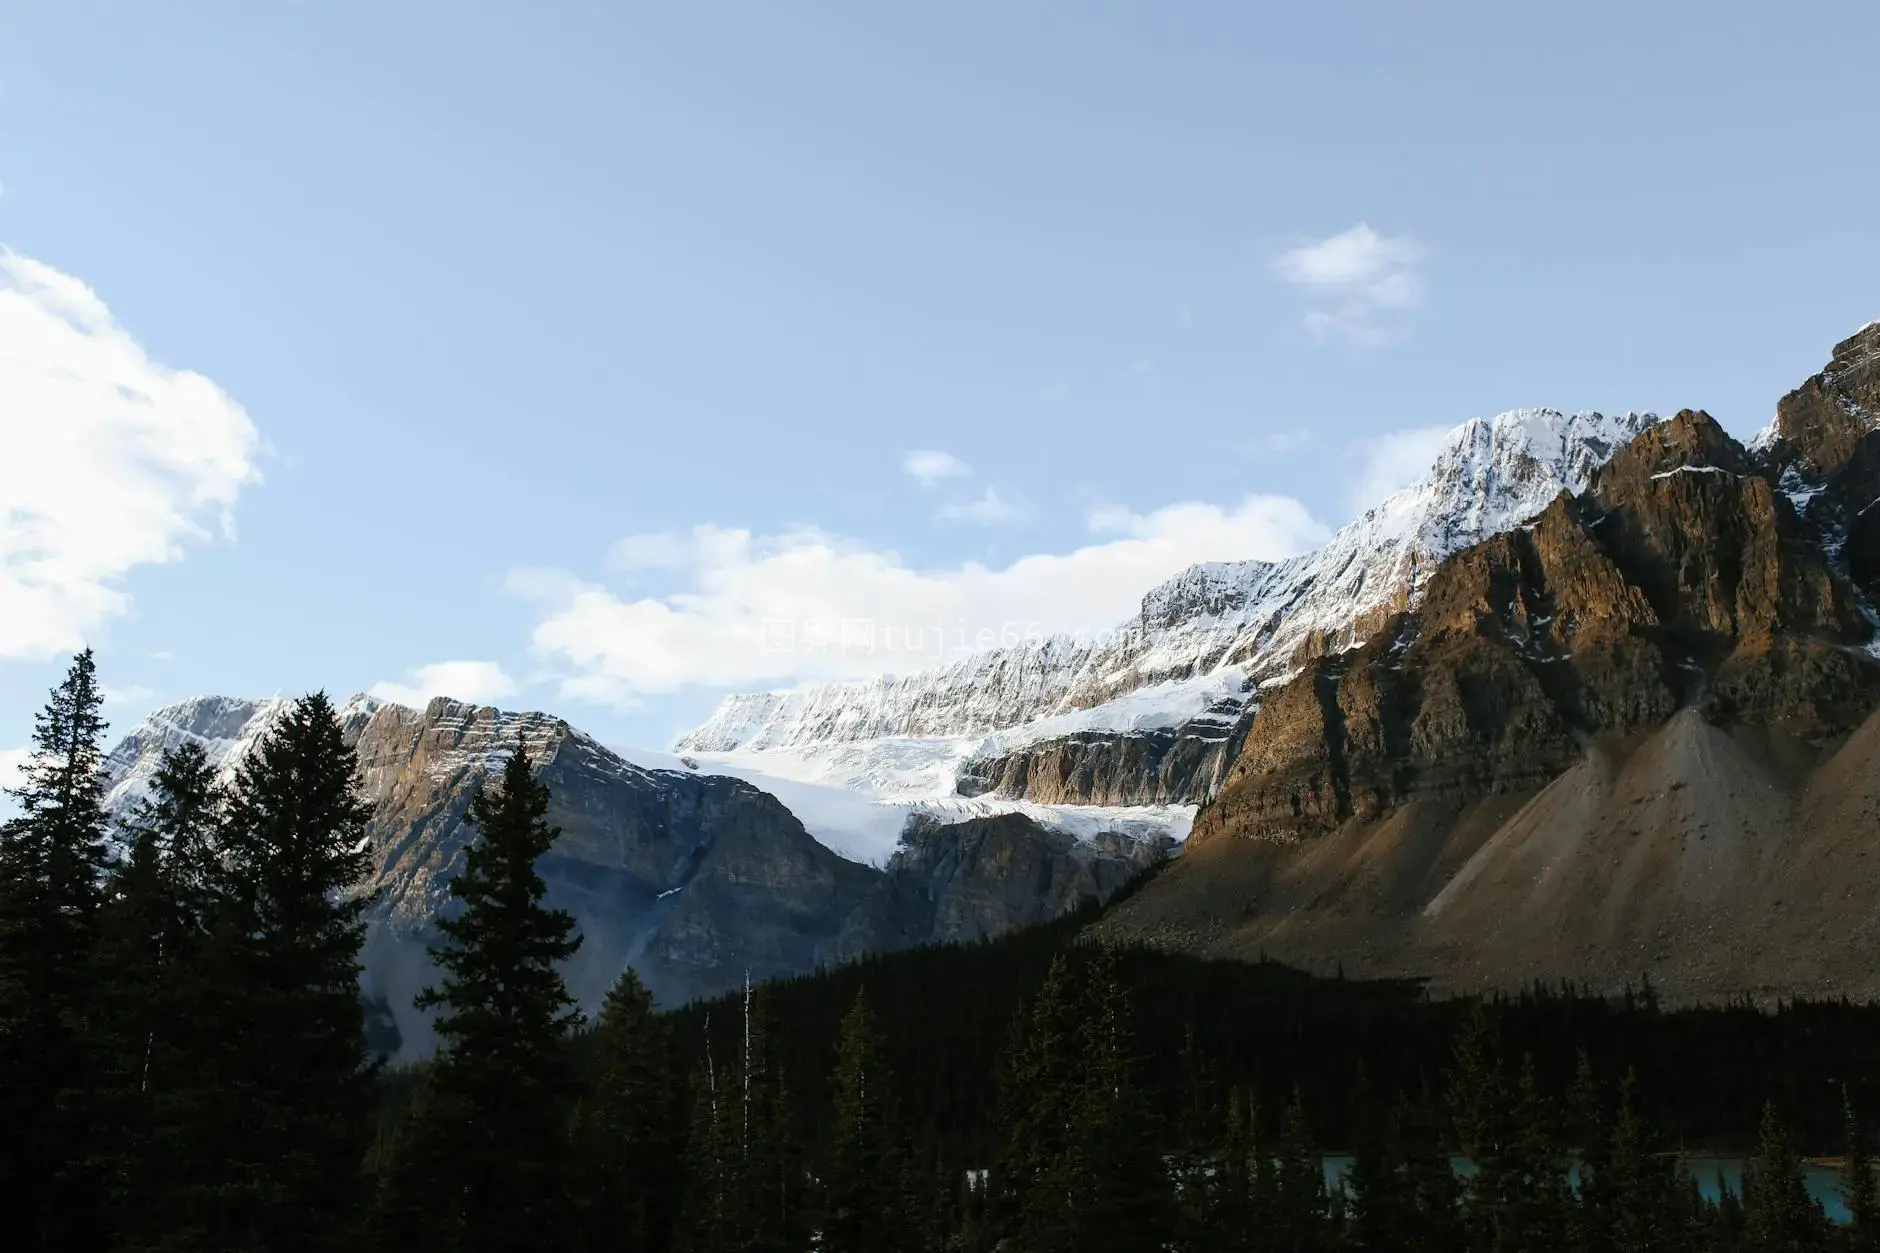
(1124, 1198)
(1033, 1180)
(153, 1005)
(1302, 1223)
(1858, 1190)
(705, 1216)
(1541, 1209)
(503, 1075)
(1382, 1209)
(1778, 1214)
(52, 858)
(1483, 1106)
(1587, 1123)
(1644, 1187)
(1195, 1162)
(624, 1130)
(295, 1085)
(861, 1172)
(1436, 1223)
(1240, 1204)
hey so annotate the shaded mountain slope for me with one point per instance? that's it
(695, 880)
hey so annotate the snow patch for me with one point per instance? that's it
(1665, 474)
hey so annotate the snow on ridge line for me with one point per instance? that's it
(1491, 475)
(860, 823)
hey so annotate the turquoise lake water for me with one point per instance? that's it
(1711, 1173)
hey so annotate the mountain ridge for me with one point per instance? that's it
(1192, 658)
(1633, 739)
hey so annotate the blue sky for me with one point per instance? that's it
(574, 344)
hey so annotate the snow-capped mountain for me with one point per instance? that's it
(693, 878)
(1196, 650)
(226, 728)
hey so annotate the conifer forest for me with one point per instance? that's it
(187, 1066)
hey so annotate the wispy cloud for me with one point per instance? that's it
(1360, 285)
(111, 461)
(930, 465)
(479, 682)
(136, 694)
(1292, 439)
(13, 768)
(989, 508)
(1390, 462)
(659, 550)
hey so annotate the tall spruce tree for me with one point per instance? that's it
(1124, 1196)
(1034, 1178)
(1858, 1190)
(1643, 1187)
(1436, 1225)
(706, 1221)
(1382, 1209)
(503, 1075)
(1586, 1115)
(625, 1132)
(1778, 1214)
(295, 1084)
(861, 1175)
(1302, 1223)
(154, 1010)
(52, 858)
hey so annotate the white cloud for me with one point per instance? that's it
(1391, 462)
(990, 508)
(1360, 284)
(762, 610)
(108, 460)
(930, 465)
(479, 682)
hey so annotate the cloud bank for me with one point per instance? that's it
(772, 609)
(479, 682)
(111, 460)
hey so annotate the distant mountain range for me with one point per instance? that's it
(1592, 699)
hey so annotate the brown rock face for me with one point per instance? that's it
(1819, 424)
(1680, 578)
(1173, 767)
(1603, 746)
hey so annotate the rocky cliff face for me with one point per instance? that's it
(1599, 746)
(692, 879)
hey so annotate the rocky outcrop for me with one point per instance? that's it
(695, 880)
(1820, 424)
(1159, 766)
(1614, 743)
(1680, 578)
